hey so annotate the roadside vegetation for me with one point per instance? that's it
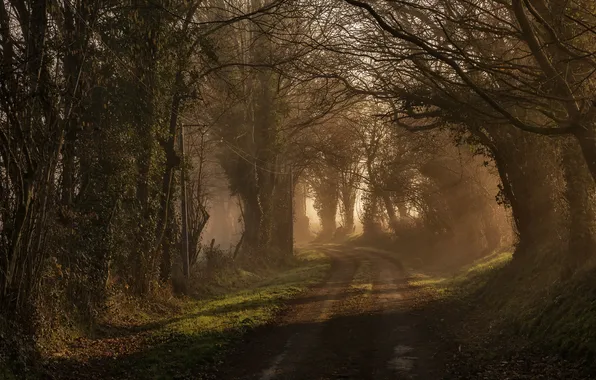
(178, 338)
(499, 321)
(155, 154)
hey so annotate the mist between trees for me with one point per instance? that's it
(454, 127)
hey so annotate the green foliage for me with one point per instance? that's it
(519, 308)
(92, 152)
(468, 281)
(189, 342)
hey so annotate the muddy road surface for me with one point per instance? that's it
(357, 324)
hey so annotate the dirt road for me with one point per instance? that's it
(358, 324)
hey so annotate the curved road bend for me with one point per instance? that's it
(355, 325)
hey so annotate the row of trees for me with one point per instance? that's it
(513, 78)
(271, 95)
(93, 97)
(433, 192)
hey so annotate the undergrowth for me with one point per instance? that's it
(467, 281)
(188, 337)
(497, 308)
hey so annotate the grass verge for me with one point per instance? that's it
(192, 342)
(467, 281)
(508, 320)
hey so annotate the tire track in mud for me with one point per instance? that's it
(357, 325)
(277, 352)
(345, 350)
(367, 338)
(405, 346)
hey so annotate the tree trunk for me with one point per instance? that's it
(579, 187)
(172, 162)
(586, 138)
(283, 236)
(370, 222)
(348, 200)
(165, 269)
(252, 222)
(301, 221)
(528, 173)
(390, 208)
(328, 214)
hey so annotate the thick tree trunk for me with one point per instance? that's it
(390, 209)
(349, 216)
(326, 189)
(252, 221)
(172, 162)
(165, 268)
(370, 223)
(348, 201)
(282, 239)
(586, 138)
(301, 221)
(521, 223)
(579, 187)
(267, 201)
(327, 214)
(530, 208)
(529, 175)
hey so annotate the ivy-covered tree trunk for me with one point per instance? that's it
(147, 57)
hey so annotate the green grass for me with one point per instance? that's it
(563, 317)
(362, 281)
(524, 307)
(467, 281)
(208, 327)
(195, 340)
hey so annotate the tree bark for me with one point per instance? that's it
(301, 221)
(172, 162)
(586, 137)
(390, 209)
(579, 186)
